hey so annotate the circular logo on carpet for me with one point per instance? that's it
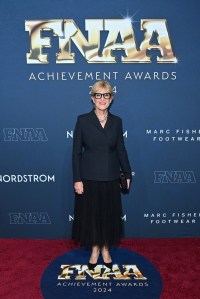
(132, 276)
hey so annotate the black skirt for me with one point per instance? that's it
(98, 214)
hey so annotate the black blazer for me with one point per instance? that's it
(99, 153)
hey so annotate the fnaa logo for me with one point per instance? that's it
(29, 218)
(80, 272)
(24, 134)
(174, 177)
(155, 37)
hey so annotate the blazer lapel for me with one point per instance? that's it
(94, 119)
(109, 122)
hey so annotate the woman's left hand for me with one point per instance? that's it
(128, 183)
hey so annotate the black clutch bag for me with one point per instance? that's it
(123, 181)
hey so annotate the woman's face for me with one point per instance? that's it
(100, 101)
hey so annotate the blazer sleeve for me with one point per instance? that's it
(77, 151)
(122, 153)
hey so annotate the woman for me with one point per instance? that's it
(98, 154)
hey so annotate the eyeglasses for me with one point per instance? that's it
(106, 96)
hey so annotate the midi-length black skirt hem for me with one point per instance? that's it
(98, 215)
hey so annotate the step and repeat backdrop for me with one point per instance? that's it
(52, 52)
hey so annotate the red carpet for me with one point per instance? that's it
(23, 262)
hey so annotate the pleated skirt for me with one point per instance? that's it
(98, 214)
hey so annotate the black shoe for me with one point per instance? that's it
(91, 266)
(108, 265)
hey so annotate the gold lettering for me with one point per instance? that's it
(96, 274)
(124, 28)
(66, 271)
(89, 49)
(135, 271)
(37, 43)
(67, 31)
(158, 27)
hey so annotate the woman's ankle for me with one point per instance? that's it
(94, 255)
(105, 249)
(95, 249)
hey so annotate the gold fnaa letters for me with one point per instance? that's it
(67, 31)
(79, 272)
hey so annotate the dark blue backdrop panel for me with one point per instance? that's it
(160, 112)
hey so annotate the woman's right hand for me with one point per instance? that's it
(78, 186)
